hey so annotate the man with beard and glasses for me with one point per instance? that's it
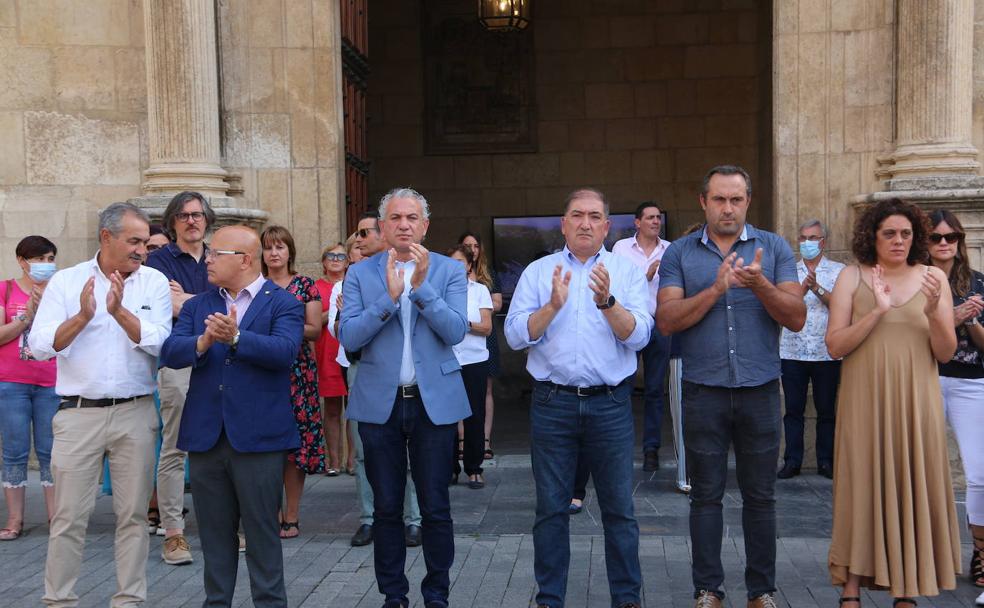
(105, 320)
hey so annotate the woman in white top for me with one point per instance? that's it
(473, 355)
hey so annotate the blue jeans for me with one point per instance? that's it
(23, 406)
(713, 418)
(562, 426)
(409, 429)
(655, 361)
(796, 378)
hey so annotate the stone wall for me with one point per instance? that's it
(73, 117)
(636, 97)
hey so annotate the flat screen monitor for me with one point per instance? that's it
(517, 241)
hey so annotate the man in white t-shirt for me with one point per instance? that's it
(645, 250)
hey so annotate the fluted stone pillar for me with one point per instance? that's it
(183, 99)
(935, 89)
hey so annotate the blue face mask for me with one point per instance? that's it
(42, 271)
(809, 249)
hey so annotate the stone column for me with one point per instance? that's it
(935, 89)
(183, 100)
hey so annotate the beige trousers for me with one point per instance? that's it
(171, 467)
(126, 433)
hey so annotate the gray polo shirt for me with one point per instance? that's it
(736, 344)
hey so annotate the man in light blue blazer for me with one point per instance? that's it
(404, 308)
(240, 340)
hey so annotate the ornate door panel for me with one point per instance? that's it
(355, 72)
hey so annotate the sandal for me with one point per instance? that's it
(286, 527)
(153, 520)
(977, 563)
(331, 472)
(11, 533)
(489, 454)
(845, 600)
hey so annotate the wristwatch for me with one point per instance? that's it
(608, 304)
(235, 340)
(820, 291)
(972, 321)
(22, 318)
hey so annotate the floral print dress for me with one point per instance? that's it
(311, 456)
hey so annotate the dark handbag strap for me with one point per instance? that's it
(6, 298)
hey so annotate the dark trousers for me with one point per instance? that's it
(476, 378)
(655, 361)
(228, 486)
(796, 377)
(386, 447)
(581, 477)
(562, 426)
(713, 418)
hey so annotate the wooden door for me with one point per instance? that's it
(355, 74)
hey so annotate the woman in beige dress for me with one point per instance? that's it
(891, 319)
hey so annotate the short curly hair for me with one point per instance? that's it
(866, 229)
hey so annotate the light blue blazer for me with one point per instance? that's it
(371, 321)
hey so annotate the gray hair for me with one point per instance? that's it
(111, 218)
(811, 224)
(177, 205)
(580, 192)
(726, 170)
(403, 192)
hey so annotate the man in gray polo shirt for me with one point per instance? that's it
(727, 289)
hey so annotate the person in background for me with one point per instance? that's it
(331, 385)
(645, 249)
(805, 359)
(962, 378)
(473, 355)
(278, 259)
(158, 238)
(28, 400)
(485, 275)
(891, 320)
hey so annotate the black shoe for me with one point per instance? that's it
(826, 470)
(395, 604)
(362, 536)
(650, 461)
(788, 470)
(436, 604)
(412, 535)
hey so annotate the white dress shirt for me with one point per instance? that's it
(629, 248)
(579, 347)
(102, 362)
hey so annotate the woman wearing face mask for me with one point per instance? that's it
(805, 358)
(27, 386)
(962, 378)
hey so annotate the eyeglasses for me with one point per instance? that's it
(334, 257)
(813, 238)
(195, 216)
(214, 253)
(950, 237)
(364, 232)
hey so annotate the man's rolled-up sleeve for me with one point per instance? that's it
(525, 302)
(636, 302)
(51, 313)
(155, 326)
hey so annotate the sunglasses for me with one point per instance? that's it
(950, 237)
(335, 257)
(364, 232)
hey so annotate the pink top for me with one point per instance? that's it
(16, 362)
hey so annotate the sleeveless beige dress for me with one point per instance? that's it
(895, 522)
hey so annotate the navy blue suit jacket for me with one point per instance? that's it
(245, 390)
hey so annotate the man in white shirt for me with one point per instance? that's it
(645, 250)
(105, 319)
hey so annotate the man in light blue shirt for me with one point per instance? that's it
(583, 313)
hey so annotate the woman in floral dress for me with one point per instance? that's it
(278, 266)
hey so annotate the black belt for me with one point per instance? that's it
(74, 401)
(582, 391)
(408, 391)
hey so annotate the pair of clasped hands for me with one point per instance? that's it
(395, 277)
(114, 297)
(733, 272)
(600, 283)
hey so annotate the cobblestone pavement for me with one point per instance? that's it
(494, 560)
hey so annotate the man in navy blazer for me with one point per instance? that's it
(405, 308)
(240, 339)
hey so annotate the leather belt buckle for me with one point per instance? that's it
(409, 391)
(586, 391)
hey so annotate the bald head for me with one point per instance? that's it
(235, 256)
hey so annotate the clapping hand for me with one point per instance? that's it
(971, 307)
(931, 288)
(220, 327)
(32, 303)
(809, 282)
(653, 269)
(422, 258)
(87, 300)
(750, 276)
(600, 283)
(559, 288)
(338, 302)
(114, 297)
(880, 289)
(394, 277)
(726, 274)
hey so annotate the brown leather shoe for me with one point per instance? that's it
(707, 599)
(766, 600)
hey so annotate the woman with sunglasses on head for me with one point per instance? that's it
(331, 384)
(962, 378)
(279, 255)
